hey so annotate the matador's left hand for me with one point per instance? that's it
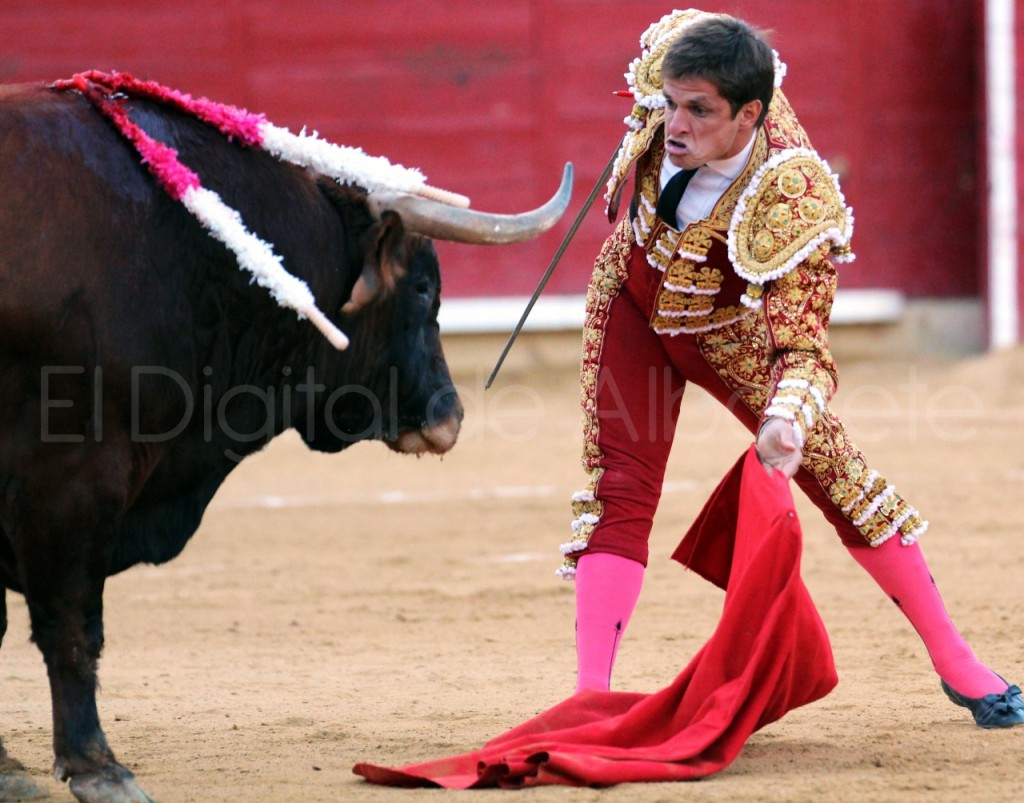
(778, 447)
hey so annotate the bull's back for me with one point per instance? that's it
(82, 294)
(73, 207)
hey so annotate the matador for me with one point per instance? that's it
(722, 274)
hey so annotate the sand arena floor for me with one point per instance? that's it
(367, 606)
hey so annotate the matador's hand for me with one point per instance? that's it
(778, 447)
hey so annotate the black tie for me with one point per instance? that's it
(672, 194)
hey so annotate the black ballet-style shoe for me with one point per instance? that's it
(1003, 710)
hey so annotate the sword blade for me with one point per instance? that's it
(589, 202)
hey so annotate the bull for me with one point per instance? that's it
(139, 365)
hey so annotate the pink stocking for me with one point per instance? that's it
(903, 575)
(607, 588)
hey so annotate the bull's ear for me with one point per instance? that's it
(384, 264)
(390, 250)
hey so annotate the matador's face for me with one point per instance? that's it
(699, 123)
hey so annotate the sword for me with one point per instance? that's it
(601, 182)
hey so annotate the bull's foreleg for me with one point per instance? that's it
(15, 784)
(67, 626)
(62, 540)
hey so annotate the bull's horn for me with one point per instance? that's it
(443, 222)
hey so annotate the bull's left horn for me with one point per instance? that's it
(443, 222)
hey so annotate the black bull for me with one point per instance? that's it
(139, 364)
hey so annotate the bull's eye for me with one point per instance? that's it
(424, 289)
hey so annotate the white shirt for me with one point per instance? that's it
(707, 185)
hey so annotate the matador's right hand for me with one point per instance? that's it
(779, 448)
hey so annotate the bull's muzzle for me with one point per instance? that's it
(435, 439)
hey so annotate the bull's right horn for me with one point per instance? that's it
(443, 222)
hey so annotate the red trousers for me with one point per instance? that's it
(641, 379)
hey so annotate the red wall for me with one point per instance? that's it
(490, 99)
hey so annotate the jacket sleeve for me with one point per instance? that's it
(797, 308)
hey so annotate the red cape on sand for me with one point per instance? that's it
(769, 654)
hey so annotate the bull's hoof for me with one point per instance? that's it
(16, 785)
(112, 785)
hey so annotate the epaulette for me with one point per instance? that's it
(792, 207)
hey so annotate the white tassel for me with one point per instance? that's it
(258, 257)
(345, 164)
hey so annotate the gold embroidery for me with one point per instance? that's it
(784, 130)
(722, 316)
(634, 144)
(755, 292)
(811, 210)
(696, 239)
(670, 301)
(792, 184)
(765, 247)
(869, 502)
(610, 271)
(764, 244)
(780, 216)
(688, 275)
(586, 513)
(655, 42)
